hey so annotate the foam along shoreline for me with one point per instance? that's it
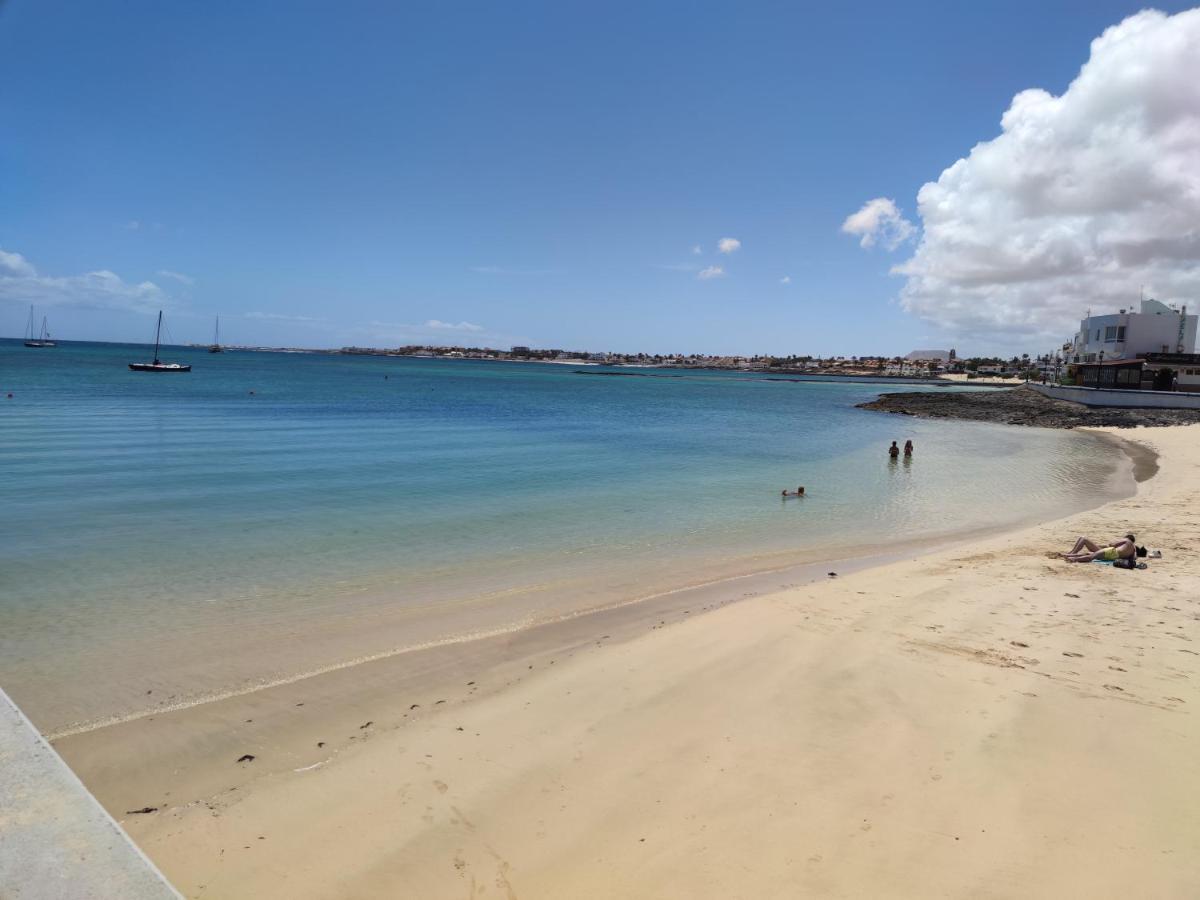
(908, 729)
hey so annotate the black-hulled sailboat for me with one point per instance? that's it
(215, 346)
(37, 339)
(158, 365)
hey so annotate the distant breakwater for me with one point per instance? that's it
(1021, 406)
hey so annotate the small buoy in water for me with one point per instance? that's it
(252, 393)
(10, 395)
(386, 377)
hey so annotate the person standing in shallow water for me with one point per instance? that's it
(893, 451)
(908, 448)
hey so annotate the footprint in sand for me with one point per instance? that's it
(441, 786)
(1073, 655)
(1113, 687)
(1018, 644)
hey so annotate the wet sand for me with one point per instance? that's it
(981, 720)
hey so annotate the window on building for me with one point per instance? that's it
(1120, 332)
(1110, 334)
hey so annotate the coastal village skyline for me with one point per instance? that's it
(712, 200)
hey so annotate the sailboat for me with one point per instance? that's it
(215, 346)
(43, 337)
(158, 365)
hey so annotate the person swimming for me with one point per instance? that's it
(893, 451)
(908, 448)
(798, 492)
(1087, 550)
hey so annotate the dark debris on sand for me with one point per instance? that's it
(1021, 406)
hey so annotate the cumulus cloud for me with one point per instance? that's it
(879, 222)
(1081, 199)
(20, 282)
(710, 272)
(786, 279)
(14, 265)
(177, 276)
(729, 245)
(438, 325)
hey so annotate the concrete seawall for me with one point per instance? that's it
(56, 841)
(1110, 397)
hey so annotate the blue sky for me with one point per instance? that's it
(328, 174)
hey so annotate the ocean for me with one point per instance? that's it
(170, 537)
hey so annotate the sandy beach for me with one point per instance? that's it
(981, 721)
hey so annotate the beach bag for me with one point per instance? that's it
(1125, 563)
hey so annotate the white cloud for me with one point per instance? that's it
(14, 265)
(133, 225)
(434, 332)
(729, 245)
(451, 326)
(503, 270)
(879, 221)
(1081, 200)
(696, 251)
(280, 317)
(177, 276)
(786, 279)
(710, 272)
(102, 289)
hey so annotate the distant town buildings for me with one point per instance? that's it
(942, 356)
(918, 364)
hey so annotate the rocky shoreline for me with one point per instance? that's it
(1022, 406)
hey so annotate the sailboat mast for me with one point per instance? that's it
(45, 333)
(157, 332)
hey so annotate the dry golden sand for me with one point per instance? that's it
(978, 722)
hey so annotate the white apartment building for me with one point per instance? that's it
(1156, 328)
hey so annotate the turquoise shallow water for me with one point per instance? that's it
(178, 530)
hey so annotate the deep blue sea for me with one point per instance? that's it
(269, 513)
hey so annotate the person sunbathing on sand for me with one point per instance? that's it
(1086, 550)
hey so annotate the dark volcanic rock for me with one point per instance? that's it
(1021, 406)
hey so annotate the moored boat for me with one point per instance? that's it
(42, 338)
(215, 346)
(158, 365)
